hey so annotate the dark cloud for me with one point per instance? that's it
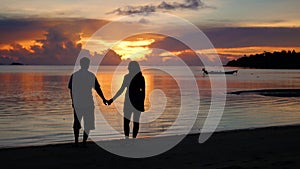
(169, 44)
(239, 37)
(107, 57)
(191, 58)
(173, 45)
(233, 38)
(144, 21)
(253, 36)
(147, 9)
(110, 58)
(56, 40)
(187, 4)
(56, 48)
(14, 30)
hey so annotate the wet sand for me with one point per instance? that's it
(273, 147)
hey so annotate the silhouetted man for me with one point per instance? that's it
(80, 85)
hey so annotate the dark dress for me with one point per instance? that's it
(137, 92)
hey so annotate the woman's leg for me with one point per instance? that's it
(76, 135)
(126, 127)
(136, 123)
(127, 116)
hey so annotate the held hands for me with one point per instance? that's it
(107, 102)
(110, 101)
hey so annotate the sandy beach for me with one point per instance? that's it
(272, 147)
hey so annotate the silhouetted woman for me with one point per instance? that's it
(134, 97)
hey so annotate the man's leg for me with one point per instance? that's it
(89, 123)
(76, 127)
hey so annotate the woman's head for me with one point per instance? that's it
(134, 67)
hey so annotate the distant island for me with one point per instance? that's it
(268, 60)
(16, 63)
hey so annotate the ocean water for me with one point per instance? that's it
(35, 104)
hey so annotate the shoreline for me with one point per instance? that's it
(147, 138)
(270, 147)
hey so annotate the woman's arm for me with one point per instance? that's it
(120, 91)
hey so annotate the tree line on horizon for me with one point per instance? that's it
(268, 60)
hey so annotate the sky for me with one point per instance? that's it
(56, 31)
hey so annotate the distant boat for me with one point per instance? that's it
(219, 72)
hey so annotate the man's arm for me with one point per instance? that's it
(70, 82)
(99, 91)
(70, 88)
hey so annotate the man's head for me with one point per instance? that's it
(85, 63)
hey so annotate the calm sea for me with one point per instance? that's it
(35, 105)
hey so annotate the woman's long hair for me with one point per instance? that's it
(134, 68)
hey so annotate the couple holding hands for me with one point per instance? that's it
(81, 84)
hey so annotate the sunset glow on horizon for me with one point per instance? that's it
(53, 35)
(134, 50)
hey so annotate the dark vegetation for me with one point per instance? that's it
(268, 60)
